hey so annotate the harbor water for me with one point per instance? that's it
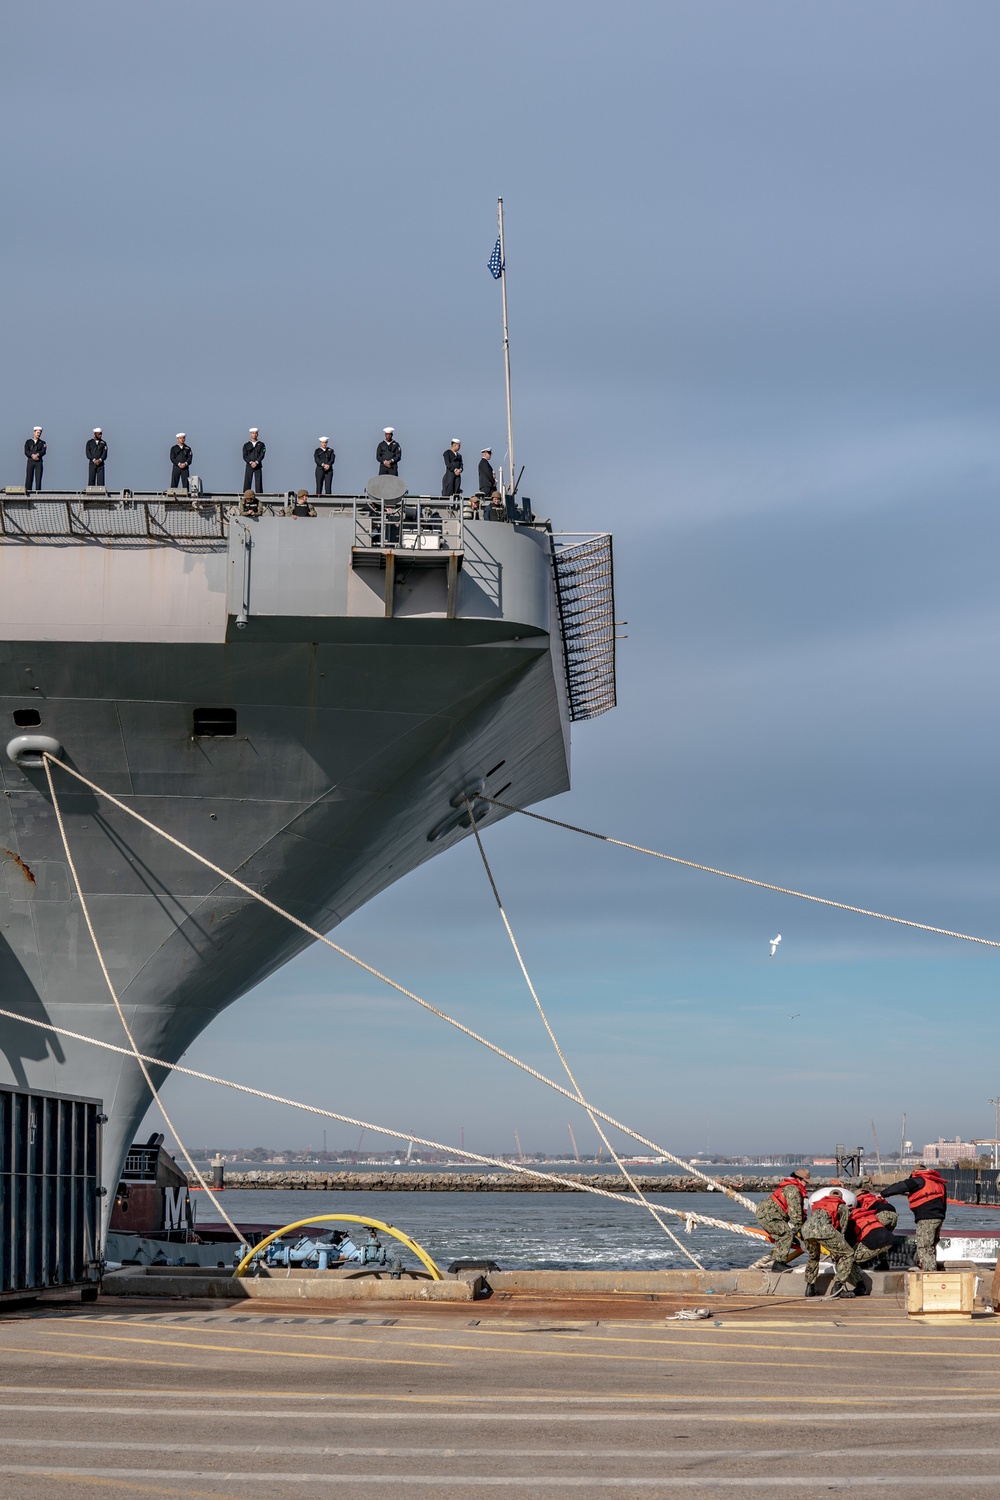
(541, 1231)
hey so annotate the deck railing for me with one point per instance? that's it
(137, 517)
(140, 1164)
(418, 522)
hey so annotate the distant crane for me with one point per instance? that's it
(878, 1154)
(517, 1143)
(572, 1140)
(360, 1139)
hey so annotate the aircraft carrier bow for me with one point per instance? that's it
(304, 702)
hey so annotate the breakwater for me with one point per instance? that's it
(479, 1182)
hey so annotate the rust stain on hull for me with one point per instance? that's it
(25, 870)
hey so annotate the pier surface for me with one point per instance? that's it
(523, 1396)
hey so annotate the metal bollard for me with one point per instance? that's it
(218, 1173)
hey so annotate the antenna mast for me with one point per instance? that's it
(506, 346)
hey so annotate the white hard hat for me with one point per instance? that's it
(844, 1193)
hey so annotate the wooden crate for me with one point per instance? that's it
(941, 1292)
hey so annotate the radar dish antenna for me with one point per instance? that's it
(386, 487)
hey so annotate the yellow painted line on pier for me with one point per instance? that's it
(527, 1396)
(115, 1338)
(591, 1355)
(786, 1349)
(668, 1339)
(132, 1488)
(945, 1335)
(473, 1349)
(117, 1359)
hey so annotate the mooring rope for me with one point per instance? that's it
(394, 984)
(121, 1014)
(561, 1056)
(764, 885)
(564, 1183)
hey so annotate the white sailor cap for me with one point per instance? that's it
(388, 429)
(456, 440)
(255, 429)
(489, 451)
(180, 434)
(324, 439)
(37, 427)
(98, 429)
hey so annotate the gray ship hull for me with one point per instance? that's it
(357, 721)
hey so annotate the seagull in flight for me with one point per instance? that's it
(796, 1016)
(774, 944)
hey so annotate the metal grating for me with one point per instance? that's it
(49, 1172)
(585, 593)
(145, 518)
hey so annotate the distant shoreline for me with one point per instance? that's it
(480, 1182)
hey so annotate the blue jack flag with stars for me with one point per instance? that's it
(496, 264)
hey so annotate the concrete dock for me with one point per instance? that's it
(528, 1394)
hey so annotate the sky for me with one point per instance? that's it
(751, 255)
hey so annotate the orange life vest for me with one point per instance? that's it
(779, 1193)
(831, 1206)
(934, 1187)
(865, 1217)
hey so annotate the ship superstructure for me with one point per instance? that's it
(303, 701)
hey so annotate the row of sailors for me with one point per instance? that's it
(854, 1230)
(388, 456)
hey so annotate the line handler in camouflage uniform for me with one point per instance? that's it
(928, 1194)
(781, 1215)
(869, 1230)
(825, 1229)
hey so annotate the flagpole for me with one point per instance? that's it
(506, 346)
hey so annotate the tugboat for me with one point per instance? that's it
(153, 1218)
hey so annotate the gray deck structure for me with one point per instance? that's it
(370, 685)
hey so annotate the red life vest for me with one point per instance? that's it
(865, 1217)
(876, 1202)
(779, 1193)
(934, 1187)
(831, 1206)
